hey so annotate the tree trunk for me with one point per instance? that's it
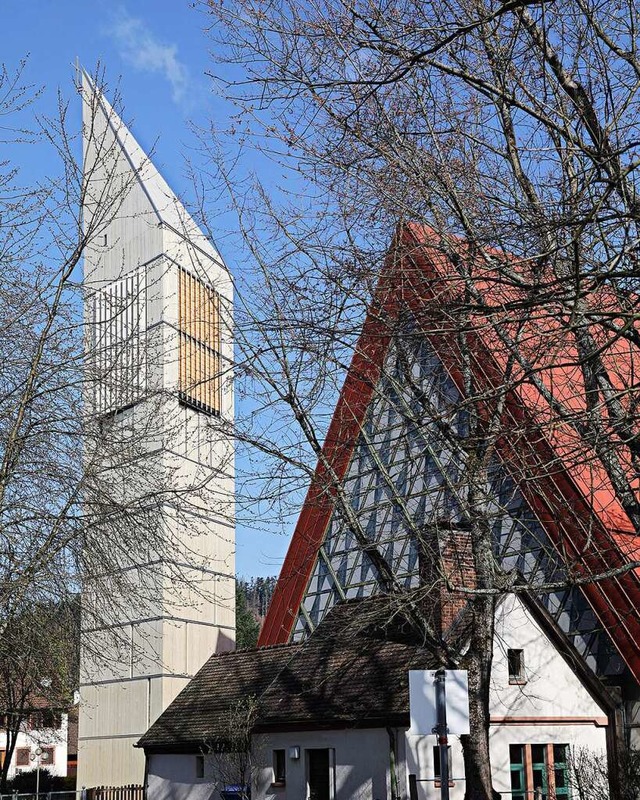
(477, 763)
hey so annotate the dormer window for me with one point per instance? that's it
(515, 662)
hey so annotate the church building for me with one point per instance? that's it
(388, 515)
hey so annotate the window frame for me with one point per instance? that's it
(50, 750)
(279, 767)
(547, 768)
(517, 677)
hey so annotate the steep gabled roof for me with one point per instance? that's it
(542, 447)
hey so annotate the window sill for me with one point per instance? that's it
(438, 784)
(518, 681)
(278, 785)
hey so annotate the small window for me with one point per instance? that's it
(279, 768)
(22, 756)
(47, 756)
(199, 766)
(515, 661)
(436, 765)
(50, 719)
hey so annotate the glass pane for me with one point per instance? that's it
(516, 753)
(516, 779)
(515, 662)
(560, 753)
(561, 778)
(538, 778)
(538, 753)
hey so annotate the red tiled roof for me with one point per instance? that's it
(555, 467)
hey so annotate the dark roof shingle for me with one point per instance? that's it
(351, 672)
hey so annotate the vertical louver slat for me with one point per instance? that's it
(119, 325)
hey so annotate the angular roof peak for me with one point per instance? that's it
(168, 209)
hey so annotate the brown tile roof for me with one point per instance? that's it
(351, 672)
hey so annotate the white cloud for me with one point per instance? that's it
(139, 47)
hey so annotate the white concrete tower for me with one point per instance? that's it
(159, 594)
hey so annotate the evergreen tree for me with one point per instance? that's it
(247, 627)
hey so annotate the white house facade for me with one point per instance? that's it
(43, 741)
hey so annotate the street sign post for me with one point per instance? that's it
(439, 703)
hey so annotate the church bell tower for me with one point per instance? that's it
(158, 596)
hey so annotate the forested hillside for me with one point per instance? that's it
(253, 596)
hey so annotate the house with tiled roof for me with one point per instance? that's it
(330, 716)
(562, 511)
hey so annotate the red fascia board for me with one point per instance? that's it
(346, 424)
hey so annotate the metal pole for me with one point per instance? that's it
(37, 776)
(442, 730)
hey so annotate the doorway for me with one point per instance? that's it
(320, 763)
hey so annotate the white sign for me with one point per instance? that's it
(422, 701)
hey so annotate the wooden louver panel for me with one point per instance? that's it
(199, 350)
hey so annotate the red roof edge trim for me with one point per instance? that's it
(358, 389)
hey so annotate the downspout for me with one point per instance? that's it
(393, 763)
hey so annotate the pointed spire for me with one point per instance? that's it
(168, 209)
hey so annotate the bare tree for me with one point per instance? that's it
(39, 655)
(233, 757)
(508, 131)
(82, 496)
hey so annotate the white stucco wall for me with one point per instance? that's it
(552, 707)
(553, 695)
(42, 737)
(361, 769)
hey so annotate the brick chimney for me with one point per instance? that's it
(456, 555)
(446, 566)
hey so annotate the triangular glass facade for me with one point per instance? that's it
(405, 474)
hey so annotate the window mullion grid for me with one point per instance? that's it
(339, 588)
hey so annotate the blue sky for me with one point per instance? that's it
(157, 54)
